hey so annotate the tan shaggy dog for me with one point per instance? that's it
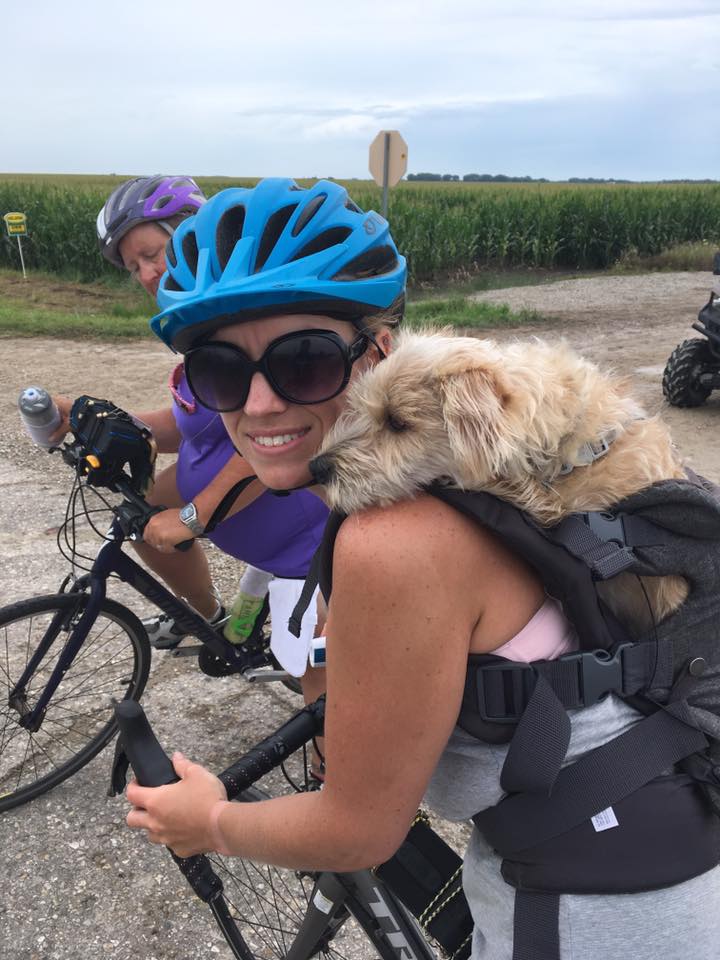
(531, 422)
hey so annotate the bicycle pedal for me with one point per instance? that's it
(263, 675)
(185, 651)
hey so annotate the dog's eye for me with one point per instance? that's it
(396, 424)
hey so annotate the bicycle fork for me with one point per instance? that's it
(31, 719)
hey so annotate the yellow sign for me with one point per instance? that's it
(15, 224)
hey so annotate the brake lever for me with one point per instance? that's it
(133, 525)
(132, 521)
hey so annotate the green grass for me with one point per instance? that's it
(486, 278)
(21, 320)
(684, 256)
(121, 322)
(459, 312)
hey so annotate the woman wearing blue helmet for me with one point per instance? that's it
(280, 297)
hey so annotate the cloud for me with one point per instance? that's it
(229, 89)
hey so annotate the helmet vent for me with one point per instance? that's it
(271, 234)
(371, 263)
(172, 284)
(308, 213)
(190, 251)
(228, 232)
(162, 202)
(352, 206)
(170, 255)
(150, 186)
(328, 238)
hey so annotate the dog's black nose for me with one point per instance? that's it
(321, 469)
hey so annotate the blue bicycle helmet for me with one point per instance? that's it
(276, 248)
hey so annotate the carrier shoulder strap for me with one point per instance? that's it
(568, 557)
(319, 572)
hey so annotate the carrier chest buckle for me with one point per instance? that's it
(600, 671)
(503, 690)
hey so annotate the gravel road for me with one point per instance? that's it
(77, 884)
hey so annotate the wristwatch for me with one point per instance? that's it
(189, 517)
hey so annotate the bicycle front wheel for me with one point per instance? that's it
(112, 664)
(274, 913)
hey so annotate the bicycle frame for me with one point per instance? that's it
(112, 560)
(360, 892)
(329, 895)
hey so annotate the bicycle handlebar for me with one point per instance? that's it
(134, 512)
(153, 768)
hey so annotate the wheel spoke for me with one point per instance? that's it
(268, 905)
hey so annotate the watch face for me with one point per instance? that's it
(188, 513)
(189, 516)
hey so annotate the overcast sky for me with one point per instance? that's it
(553, 88)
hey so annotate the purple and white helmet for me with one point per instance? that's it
(144, 200)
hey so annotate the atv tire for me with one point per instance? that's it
(681, 379)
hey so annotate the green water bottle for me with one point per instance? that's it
(243, 614)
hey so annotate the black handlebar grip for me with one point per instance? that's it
(151, 764)
(184, 545)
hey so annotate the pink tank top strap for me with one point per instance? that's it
(546, 636)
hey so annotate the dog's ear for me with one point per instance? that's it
(473, 400)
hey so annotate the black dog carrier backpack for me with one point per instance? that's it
(664, 770)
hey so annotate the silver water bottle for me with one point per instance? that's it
(39, 414)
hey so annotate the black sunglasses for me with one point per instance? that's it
(307, 366)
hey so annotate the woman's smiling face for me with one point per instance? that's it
(279, 438)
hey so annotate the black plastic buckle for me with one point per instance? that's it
(607, 526)
(601, 672)
(521, 670)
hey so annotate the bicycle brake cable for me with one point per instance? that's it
(67, 532)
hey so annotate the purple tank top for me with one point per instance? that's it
(276, 534)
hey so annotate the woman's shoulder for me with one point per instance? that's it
(407, 548)
(419, 527)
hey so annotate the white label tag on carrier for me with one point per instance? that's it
(605, 820)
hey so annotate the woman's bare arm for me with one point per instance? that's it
(408, 598)
(166, 529)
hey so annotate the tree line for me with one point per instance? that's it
(504, 178)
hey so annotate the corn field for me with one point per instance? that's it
(444, 229)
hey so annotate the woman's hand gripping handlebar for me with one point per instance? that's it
(107, 443)
(153, 768)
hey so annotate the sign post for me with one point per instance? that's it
(387, 162)
(16, 226)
